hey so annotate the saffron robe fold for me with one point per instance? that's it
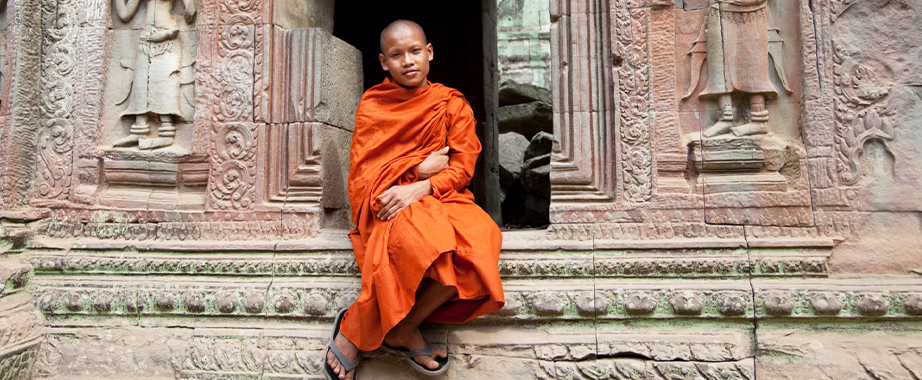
(444, 236)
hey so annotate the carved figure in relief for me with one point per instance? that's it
(160, 69)
(736, 40)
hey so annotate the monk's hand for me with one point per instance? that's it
(399, 197)
(432, 165)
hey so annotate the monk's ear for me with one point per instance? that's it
(429, 48)
(383, 61)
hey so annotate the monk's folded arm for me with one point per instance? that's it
(464, 149)
(432, 165)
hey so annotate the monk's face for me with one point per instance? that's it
(406, 55)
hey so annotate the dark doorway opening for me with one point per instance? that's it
(463, 38)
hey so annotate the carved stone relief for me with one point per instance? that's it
(874, 98)
(658, 112)
(161, 109)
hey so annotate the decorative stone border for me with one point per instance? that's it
(339, 263)
(582, 300)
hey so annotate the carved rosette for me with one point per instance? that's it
(233, 172)
(630, 28)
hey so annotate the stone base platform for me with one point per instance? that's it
(622, 350)
(592, 309)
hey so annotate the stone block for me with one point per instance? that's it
(803, 353)
(294, 14)
(334, 165)
(512, 147)
(315, 78)
(512, 93)
(883, 243)
(526, 119)
(540, 145)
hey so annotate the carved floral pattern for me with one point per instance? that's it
(233, 174)
(862, 113)
(56, 139)
(510, 268)
(635, 100)
(179, 231)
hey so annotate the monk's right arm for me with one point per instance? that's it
(464, 149)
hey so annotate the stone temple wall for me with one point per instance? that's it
(735, 194)
(524, 41)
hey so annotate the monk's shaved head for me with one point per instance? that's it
(402, 25)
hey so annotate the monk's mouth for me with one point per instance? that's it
(410, 72)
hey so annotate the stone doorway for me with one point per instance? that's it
(463, 36)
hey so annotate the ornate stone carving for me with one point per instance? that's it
(20, 335)
(234, 67)
(862, 113)
(778, 305)
(233, 173)
(512, 267)
(742, 370)
(640, 304)
(732, 305)
(56, 138)
(686, 304)
(630, 30)
(255, 303)
(873, 305)
(826, 304)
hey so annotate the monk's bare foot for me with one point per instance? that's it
(349, 350)
(411, 339)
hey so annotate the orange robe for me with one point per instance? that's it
(444, 236)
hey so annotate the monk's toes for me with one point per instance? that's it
(428, 362)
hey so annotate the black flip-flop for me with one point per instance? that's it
(425, 351)
(347, 365)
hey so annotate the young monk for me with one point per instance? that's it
(426, 251)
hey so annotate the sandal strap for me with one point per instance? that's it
(347, 365)
(427, 351)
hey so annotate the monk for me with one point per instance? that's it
(427, 253)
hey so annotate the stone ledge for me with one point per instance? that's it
(340, 262)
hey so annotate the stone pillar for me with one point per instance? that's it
(20, 329)
(19, 86)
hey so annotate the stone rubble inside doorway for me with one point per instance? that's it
(525, 141)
